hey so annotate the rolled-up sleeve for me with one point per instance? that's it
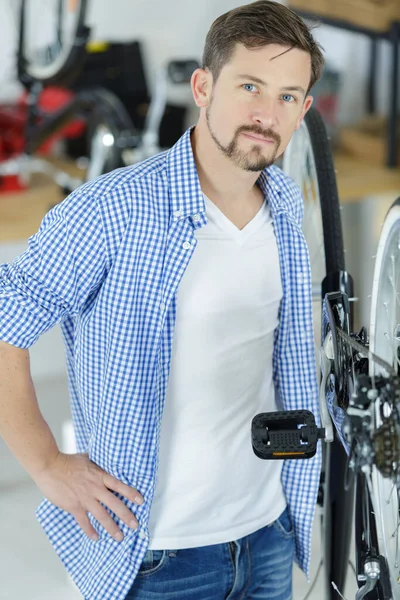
(64, 263)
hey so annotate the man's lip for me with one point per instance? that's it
(256, 137)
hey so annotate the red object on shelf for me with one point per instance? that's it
(11, 144)
(12, 125)
(13, 118)
(11, 183)
(52, 99)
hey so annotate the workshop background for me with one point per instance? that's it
(175, 30)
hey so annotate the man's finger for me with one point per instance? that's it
(106, 521)
(119, 509)
(125, 490)
(83, 521)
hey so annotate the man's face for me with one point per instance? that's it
(257, 102)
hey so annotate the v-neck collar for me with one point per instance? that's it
(226, 225)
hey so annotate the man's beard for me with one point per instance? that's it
(253, 160)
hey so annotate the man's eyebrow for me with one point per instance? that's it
(251, 78)
(294, 88)
(286, 88)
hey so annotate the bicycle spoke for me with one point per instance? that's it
(391, 493)
(385, 342)
(316, 254)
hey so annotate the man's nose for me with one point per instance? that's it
(265, 114)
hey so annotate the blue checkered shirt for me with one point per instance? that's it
(106, 264)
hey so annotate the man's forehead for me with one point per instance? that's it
(268, 53)
(258, 61)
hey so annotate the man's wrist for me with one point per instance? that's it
(44, 464)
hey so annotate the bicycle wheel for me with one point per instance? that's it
(110, 131)
(385, 342)
(308, 160)
(46, 45)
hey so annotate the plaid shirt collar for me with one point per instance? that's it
(185, 193)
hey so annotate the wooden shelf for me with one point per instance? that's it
(358, 179)
(22, 212)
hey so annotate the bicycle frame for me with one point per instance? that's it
(80, 106)
(353, 394)
(357, 401)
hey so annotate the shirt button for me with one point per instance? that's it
(196, 218)
(162, 306)
(178, 213)
(187, 245)
(142, 534)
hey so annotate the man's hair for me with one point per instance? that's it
(256, 25)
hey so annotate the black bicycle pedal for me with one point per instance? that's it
(285, 434)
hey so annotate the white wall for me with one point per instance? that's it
(174, 29)
(179, 30)
(9, 87)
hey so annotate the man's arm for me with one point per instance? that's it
(22, 425)
(72, 482)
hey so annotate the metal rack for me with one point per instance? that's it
(392, 35)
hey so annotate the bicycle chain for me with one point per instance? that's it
(386, 445)
(385, 441)
(366, 352)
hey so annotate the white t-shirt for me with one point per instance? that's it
(211, 488)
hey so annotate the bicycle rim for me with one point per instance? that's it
(299, 164)
(385, 342)
(308, 160)
(46, 50)
(108, 124)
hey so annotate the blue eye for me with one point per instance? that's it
(288, 98)
(249, 85)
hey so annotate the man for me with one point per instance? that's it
(177, 285)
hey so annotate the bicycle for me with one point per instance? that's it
(359, 390)
(308, 160)
(114, 140)
(57, 60)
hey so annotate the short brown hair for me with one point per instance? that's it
(256, 25)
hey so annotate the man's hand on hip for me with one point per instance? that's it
(77, 485)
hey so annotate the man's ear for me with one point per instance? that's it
(306, 107)
(201, 84)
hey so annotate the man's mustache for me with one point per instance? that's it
(266, 133)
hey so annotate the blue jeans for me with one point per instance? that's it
(256, 567)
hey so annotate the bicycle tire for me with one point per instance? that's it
(337, 514)
(64, 67)
(328, 192)
(109, 112)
